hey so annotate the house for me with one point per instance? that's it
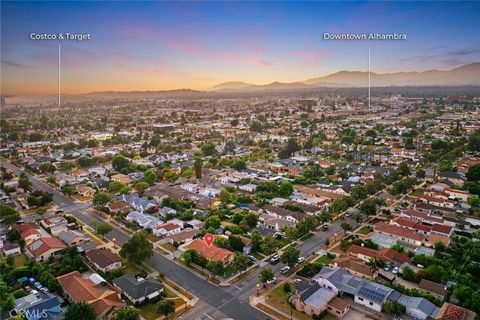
(436, 289)
(212, 253)
(371, 294)
(53, 221)
(363, 253)
(166, 211)
(44, 248)
(285, 214)
(118, 206)
(121, 178)
(138, 290)
(144, 221)
(183, 237)
(249, 187)
(93, 290)
(56, 230)
(450, 311)
(103, 259)
(140, 204)
(72, 237)
(85, 191)
(34, 307)
(166, 229)
(313, 300)
(355, 266)
(8, 248)
(402, 234)
(29, 231)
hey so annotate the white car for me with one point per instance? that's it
(273, 280)
(275, 258)
(301, 259)
(395, 270)
(284, 269)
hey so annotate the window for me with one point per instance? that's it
(371, 303)
(329, 308)
(361, 299)
(337, 312)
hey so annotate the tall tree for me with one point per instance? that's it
(80, 310)
(138, 248)
(290, 256)
(127, 313)
(166, 308)
(198, 165)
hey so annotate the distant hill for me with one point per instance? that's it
(465, 75)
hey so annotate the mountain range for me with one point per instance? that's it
(465, 75)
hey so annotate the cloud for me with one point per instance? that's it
(16, 64)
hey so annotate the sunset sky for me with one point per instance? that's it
(170, 45)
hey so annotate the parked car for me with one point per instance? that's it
(301, 259)
(274, 280)
(387, 267)
(252, 258)
(395, 270)
(38, 285)
(284, 269)
(44, 290)
(275, 258)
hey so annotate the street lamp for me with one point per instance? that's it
(113, 240)
(335, 236)
(258, 289)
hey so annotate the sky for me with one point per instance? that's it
(172, 45)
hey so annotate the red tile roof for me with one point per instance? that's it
(42, 245)
(397, 231)
(80, 289)
(212, 253)
(392, 255)
(442, 228)
(355, 249)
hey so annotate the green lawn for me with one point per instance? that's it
(149, 311)
(365, 230)
(279, 299)
(131, 268)
(329, 316)
(323, 260)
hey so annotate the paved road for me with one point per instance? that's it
(213, 297)
(216, 302)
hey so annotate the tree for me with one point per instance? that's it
(68, 189)
(120, 162)
(141, 186)
(394, 307)
(374, 264)
(474, 201)
(80, 310)
(408, 274)
(8, 214)
(101, 198)
(269, 245)
(266, 275)
(290, 256)
(138, 248)
(239, 164)
(24, 182)
(409, 143)
(166, 307)
(369, 206)
(285, 189)
(256, 241)
(150, 177)
(241, 262)
(235, 243)
(103, 228)
(216, 267)
(473, 173)
(403, 169)
(346, 226)
(127, 313)
(439, 246)
(208, 149)
(198, 164)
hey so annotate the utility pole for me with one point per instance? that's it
(59, 85)
(369, 78)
